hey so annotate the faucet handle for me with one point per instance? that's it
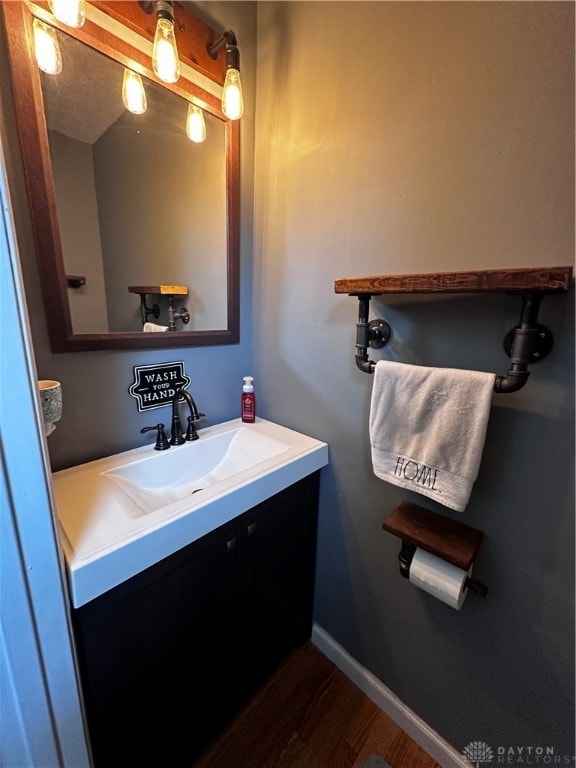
(191, 433)
(162, 443)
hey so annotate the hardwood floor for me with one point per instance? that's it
(310, 715)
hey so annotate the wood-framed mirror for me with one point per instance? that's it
(183, 234)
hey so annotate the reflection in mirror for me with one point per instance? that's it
(125, 200)
(138, 203)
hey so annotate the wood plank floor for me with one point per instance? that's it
(310, 715)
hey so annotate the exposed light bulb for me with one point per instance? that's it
(165, 53)
(133, 93)
(195, 125)
(46, 48)
(69, 12)
(232, 101)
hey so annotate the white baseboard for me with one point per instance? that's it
(427, 738)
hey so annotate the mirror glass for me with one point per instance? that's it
(138, 203)
(123, 201)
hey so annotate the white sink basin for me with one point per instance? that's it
(123, 513)
(158, 480)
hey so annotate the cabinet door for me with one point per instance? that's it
(276, 561)
(152, 654)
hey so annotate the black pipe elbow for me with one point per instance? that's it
(512, 382)
(364, 364)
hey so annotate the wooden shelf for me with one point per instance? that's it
(446, 538)
(165, 290)
(530, 280)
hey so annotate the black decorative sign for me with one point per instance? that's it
(155, 385)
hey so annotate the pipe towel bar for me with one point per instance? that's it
(528, 342)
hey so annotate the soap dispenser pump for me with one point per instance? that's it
(248, 401)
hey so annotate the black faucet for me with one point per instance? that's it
(177, 437)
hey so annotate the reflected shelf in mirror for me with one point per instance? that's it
(173, 314)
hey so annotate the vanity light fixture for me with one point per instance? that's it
(232, 100)
(195, 125)
(69, 12)
(46, 48)
(165, 59)
(133, 93)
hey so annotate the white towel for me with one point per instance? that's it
(428, 428)
(154, 328)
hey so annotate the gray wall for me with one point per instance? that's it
(75, 191)
(99, 416)
(408, 137)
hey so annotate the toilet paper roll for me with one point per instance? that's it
(439, 578)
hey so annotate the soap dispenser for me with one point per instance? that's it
(248, 401)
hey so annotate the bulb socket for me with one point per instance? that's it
(164, 10)
(232, 57)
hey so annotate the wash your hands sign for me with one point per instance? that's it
(155, 385)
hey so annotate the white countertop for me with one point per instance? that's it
(107, 538)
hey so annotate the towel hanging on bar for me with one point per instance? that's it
(428, 428)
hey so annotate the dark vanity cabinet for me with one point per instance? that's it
(169, 656)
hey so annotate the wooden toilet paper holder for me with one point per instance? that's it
(443, 537)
